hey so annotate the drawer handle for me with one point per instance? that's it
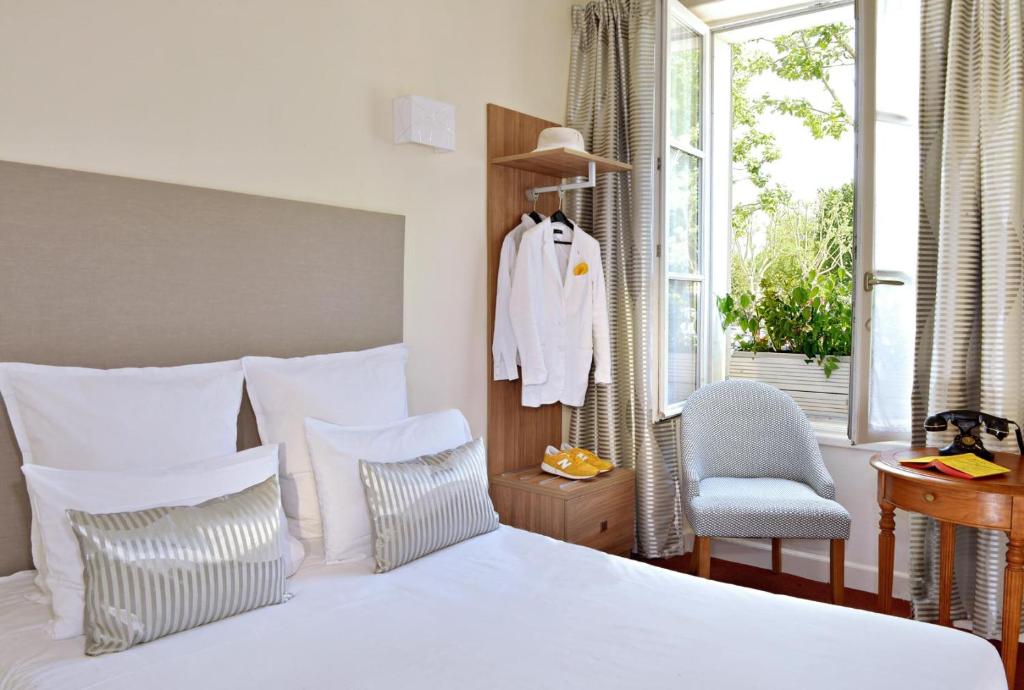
(604, 525)
(929, 497)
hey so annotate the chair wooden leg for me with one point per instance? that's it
(776, 555)
(704, 556)
(694, 556)
(837, 562)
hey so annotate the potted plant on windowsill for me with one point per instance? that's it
(796, 339)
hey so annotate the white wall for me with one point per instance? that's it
(856, 489)
(293, 99)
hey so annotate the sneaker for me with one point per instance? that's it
(568, 465)
(600, 465)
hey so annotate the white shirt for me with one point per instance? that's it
(503, 347)
(559, 313)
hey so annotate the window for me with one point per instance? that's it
(766, 190)
(683, 163)
(887, 219)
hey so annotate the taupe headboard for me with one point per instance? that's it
(103, 271)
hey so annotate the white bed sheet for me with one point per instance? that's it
(512, 609)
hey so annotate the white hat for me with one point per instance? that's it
(559, 138)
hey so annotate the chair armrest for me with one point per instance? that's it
(819, 479)
(692, 470)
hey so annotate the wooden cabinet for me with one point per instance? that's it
(599, 512)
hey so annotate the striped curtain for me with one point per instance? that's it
(612, 81)
(970, 303)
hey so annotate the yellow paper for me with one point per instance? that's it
(919, 461)
(968, 463)
(971, 464)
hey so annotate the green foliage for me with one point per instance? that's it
(812, 318)
(792, 260)
(795, 238)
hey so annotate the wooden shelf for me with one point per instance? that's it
(560, 163)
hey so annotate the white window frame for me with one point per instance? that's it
(863, 221)
(868, 116)
(670, 9)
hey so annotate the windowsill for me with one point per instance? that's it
(834, 436)
(831, 434)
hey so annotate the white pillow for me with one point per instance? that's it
(365, 387)
(107, 419)
(54, 491)
(336, 452)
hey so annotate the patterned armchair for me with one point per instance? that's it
(752, 469)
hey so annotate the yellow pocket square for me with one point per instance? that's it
(580, 268)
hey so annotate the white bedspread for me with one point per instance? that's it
(512, 610)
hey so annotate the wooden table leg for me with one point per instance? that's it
(886, 555)
(947, 556)
(1013, 588)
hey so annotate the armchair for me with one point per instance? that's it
(752, 469)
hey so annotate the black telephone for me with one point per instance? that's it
(967, 421)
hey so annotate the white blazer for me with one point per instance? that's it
(559, 313)
(503, 347)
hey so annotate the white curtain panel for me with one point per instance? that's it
(970, 304)
(612, 81)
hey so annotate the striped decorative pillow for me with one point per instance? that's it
(155, 572)
(423, 505)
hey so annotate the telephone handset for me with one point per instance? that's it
(967, 422)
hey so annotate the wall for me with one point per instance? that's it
(856, 489)
(294, 100)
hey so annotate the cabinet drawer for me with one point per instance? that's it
(602, 520)
(530, 511)
(953, 505)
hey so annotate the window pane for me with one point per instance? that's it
(683, 247)
(893, 308)
(896, 90)
(683, 320)
(684, 77)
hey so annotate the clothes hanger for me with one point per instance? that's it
(559, 217)
(534, 216)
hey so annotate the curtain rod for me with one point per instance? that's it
(819, 6)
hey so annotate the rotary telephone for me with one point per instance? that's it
(967, 422)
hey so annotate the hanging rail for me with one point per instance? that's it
(534, 192)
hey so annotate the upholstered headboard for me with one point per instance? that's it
(102, 271)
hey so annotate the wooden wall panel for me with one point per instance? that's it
(516, 435)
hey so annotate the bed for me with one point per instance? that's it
(511, 609)
(508, 609)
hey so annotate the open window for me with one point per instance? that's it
(788, 179)
(887, 220)
(682, 248)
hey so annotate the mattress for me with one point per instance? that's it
(511, 609)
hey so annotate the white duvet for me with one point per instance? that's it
(511, 609)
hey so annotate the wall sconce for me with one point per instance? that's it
(419, 120)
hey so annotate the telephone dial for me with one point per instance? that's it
(967, 422)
